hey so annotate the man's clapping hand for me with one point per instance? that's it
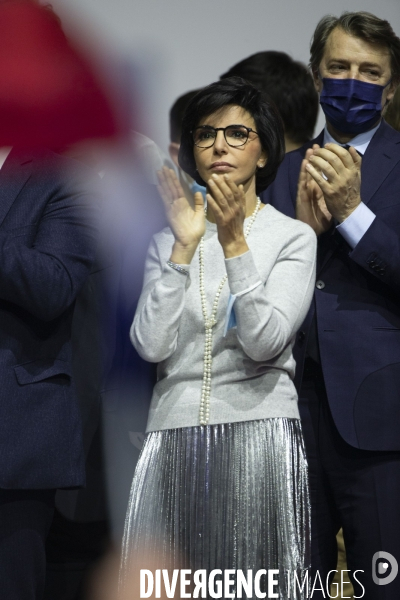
(337, 171)
(310, 203)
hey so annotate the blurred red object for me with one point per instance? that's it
(50, 94)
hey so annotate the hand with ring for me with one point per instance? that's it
(342, 182)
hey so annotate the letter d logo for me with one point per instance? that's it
(384, 568)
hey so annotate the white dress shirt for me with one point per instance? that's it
(354, 227)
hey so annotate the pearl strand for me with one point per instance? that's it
(210, 322)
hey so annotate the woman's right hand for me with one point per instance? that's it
(187, 222)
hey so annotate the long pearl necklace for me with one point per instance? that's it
(209, 322)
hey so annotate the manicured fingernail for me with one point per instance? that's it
(215, 176)
(226, 176)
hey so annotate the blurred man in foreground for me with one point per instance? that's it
(49, 97)
(48, 247)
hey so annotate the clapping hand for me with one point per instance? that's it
(342, 182)
(228, 203)
(310, 203)
(187, 222)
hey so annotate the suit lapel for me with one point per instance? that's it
(327, 247)
(13, 176)
(382, 155)
(318, 140)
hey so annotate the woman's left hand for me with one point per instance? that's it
(228, 203)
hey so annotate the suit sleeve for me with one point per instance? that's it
(378, 251)
(43, 265)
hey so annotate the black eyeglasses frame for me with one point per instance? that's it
(205, 127)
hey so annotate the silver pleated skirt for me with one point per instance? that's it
(228, 496)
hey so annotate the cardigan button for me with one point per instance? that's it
(320, 284)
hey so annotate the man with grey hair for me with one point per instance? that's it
(346, 185)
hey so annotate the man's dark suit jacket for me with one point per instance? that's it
(47, 246)
(357, 300)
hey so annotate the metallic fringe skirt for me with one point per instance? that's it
(228, 496)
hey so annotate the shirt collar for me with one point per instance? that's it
(360, 142)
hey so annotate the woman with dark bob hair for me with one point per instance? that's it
(221, 482)
(234, 91)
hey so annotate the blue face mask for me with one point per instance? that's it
(350, 105)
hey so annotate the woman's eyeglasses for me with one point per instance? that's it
(204, 136)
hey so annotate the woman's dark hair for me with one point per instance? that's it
(235, 91)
